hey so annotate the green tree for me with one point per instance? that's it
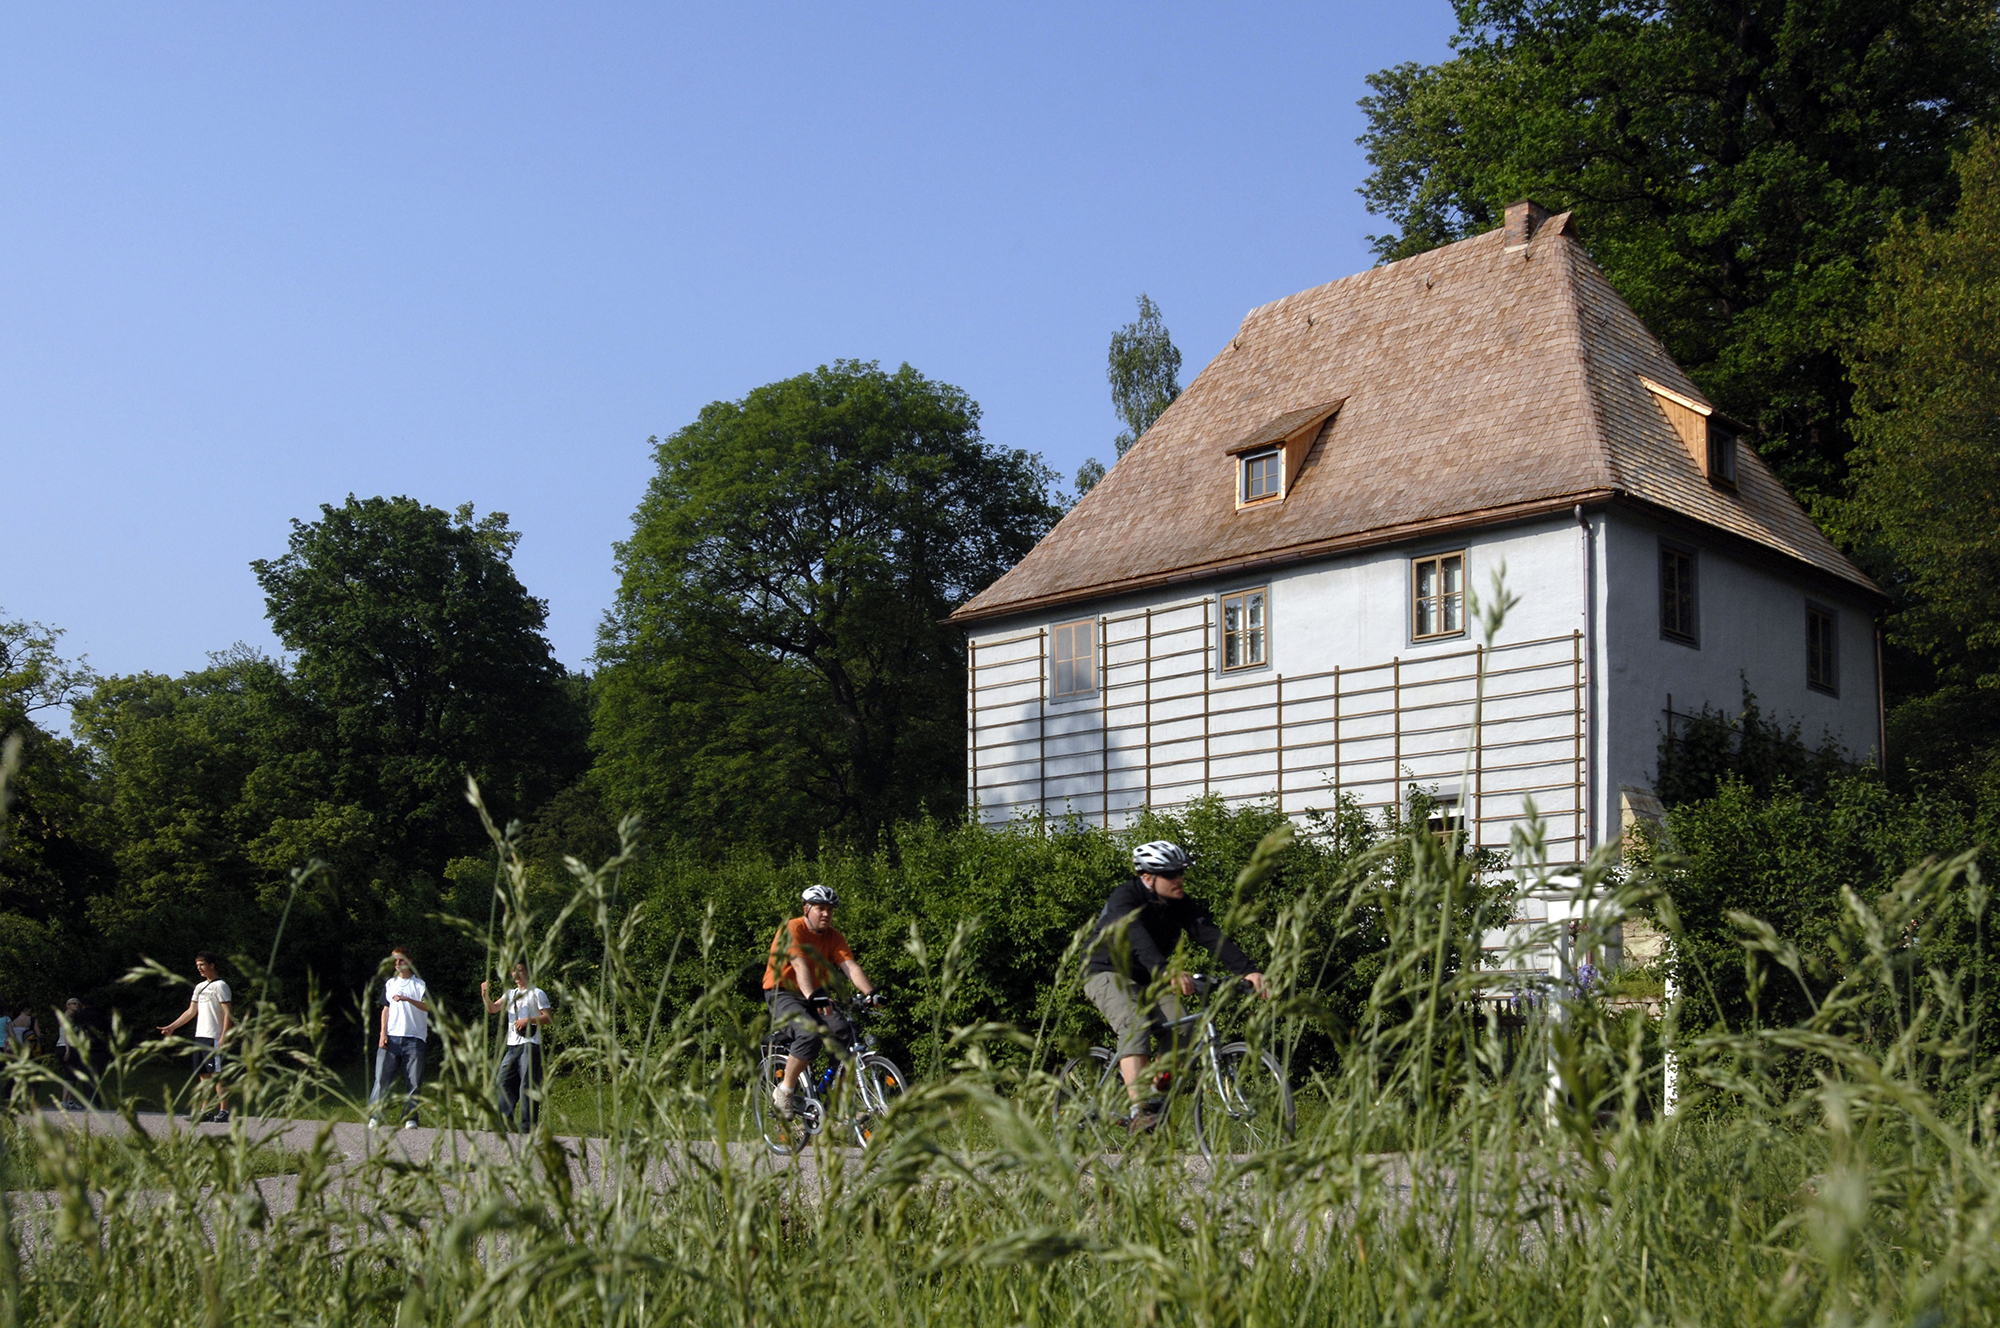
(198, 779)
(420, 660)
(1144, 368)
(1730, 165)
(1088, 474)
(777, 665)
(52, 856)
(1926, 367)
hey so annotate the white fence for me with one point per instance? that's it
(1163, 728)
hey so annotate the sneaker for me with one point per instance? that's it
(220, 1116)
(409, 1125)
(781, 1098)
(374, 1124)
(1143, 1118)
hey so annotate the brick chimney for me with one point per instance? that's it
(1523, 220)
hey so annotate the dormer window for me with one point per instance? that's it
(1721, 454)
(1710, 439)
(1266, 463)
(1263, 476)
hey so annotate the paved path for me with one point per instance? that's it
(356, 1143)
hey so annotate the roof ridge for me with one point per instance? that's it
(1491, 236)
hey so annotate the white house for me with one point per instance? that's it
(1274, 594)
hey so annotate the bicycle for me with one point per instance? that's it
(876, 1084)
(1242, 1102)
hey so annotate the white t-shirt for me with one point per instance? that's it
(405, 1019)
(209, 998)
(522, 1005)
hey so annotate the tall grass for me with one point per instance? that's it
(1441, 1172)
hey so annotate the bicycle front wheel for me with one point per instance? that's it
(879, 1083)
(1249, 1110)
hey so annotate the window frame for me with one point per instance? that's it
(1276, 454)
(1723, 443)
(1057, 660)
(1223, 633)
(1692, 638)
(1417, 561)
(1831, 616)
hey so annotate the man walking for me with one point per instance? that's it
(69, 1056)
(210, 1008)
(403, 1028)
(520, 1077)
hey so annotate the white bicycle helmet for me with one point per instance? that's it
(1161, 858)
(820, 894)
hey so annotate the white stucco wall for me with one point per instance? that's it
(1751, 627)
(1211, 730)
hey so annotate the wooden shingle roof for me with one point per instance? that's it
(1480, 382)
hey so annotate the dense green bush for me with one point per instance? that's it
(1800, 865)
(1706, 749)
(1011, 900)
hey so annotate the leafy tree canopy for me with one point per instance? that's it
(1729, 164)
(1926, 368)
(191, 775)
(1144, 368)
(420, 660)
(51, 861)
(777, 665)
(34, 677)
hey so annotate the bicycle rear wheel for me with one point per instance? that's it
(1091, 1104)
(879, 1084)
(784, 1135)
(1250, 1111)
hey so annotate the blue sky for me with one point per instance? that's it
(254, 258)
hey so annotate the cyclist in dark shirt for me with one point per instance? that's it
(1125, 959)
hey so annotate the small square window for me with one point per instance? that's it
(1721, 454)
(1677, 601)
(1245, 630)
(1437, 596)
(1263, 476)
(1822, 650)
(1076, 658)
(1445, 819)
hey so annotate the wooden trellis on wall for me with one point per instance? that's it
(1163, 728)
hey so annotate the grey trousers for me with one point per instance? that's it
(1118, 999)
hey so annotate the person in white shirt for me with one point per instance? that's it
(209, 1008)
(520, 1078)
(402, 1035)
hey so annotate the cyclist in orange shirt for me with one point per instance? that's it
(803, 956)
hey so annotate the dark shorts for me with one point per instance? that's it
(207, 1060)
(794, 1020)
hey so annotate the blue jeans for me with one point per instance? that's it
(406, 1054)
(520, 1081)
